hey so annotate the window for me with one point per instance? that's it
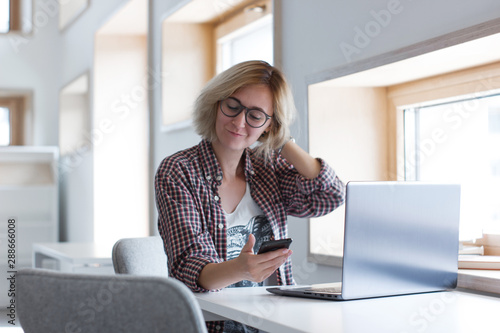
(459, 141)
(4, 16)
(12, 13)
(251, 42)
(4, 126)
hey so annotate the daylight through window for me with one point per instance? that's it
(459, 142)
(4, 16)
(4, 127)
(252, 42)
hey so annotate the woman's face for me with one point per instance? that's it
(233, 132)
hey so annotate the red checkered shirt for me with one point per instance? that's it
(191, 220)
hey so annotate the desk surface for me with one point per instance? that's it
(430, 312)
(75, 252)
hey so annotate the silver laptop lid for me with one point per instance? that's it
(400, 238)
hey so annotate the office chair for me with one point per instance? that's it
(140, 256)
(52, 301)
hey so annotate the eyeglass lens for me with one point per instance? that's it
(254, 117)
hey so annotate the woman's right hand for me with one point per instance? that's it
(258, 267)
(247, 266)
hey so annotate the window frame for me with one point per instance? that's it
(15, 18)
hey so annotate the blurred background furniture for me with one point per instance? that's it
(140, 256)
(88, 258)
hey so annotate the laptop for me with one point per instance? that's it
(399, 238)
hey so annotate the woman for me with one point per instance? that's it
(218, 201)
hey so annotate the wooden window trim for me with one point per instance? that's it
(15, 15)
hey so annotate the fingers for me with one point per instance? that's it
(248, 247)
(259, 267)
(284, 253)
(281, 257)
(271, 261)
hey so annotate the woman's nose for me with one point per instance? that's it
(240, 120)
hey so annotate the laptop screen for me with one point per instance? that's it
(400, 237)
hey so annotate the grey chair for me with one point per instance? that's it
(51, 301)
(140, 256)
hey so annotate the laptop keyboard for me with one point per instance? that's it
(332, 290)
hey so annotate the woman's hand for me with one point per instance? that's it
(306, 165)
(247, 266)
(259, 267)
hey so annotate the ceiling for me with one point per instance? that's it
(199, 11)
(132, 19)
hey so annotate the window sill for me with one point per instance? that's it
(479, 280)
(472, 279)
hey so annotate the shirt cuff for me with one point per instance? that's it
(191, 273)
(325, 179)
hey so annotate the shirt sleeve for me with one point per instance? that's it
(310, 197)
(189, 245)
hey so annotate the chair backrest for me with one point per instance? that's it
(140, 256)
(51, 301)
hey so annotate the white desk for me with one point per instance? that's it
(431, 312)
(74, 257)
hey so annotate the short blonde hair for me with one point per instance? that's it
(241, 75)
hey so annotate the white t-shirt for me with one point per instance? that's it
(246, 219)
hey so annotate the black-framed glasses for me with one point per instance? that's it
(231, 107)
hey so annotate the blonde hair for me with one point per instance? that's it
(241, 75)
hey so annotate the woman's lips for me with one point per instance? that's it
(235, 134)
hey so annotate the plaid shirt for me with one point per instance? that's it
(191, 220)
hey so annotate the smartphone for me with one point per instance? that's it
(272, 245)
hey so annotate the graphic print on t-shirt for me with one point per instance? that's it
(237, 237)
